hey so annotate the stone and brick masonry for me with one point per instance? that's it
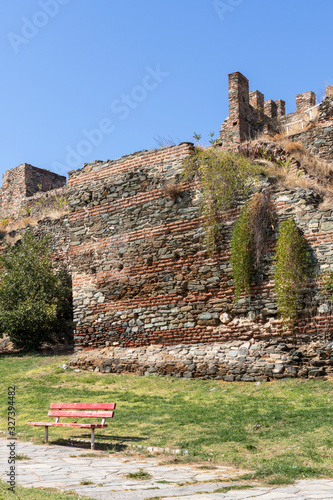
(146, 292)
(140, 271)
(141, 277)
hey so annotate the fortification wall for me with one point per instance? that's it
(140, 271)
(250, 114)
(317, 140)
(132, 237)
(35, 198)
(248, 361)
(22, 182)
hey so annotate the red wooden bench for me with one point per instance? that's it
(59, 410)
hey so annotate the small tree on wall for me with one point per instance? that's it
(293, 266)
(35, 300)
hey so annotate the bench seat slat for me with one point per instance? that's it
(83, 406)
(96, 414)
(53, 424)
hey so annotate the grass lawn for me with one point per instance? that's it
(280, 430)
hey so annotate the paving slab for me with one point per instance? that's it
(105, 477)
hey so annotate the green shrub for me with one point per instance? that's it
(293, 266)
(35, 300)
(249, 238)
(327, 282)
(330, 283)
(224, 177)
(241, 255)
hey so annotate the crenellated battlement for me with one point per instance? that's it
(250, 114)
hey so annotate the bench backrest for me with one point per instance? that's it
(82, 410)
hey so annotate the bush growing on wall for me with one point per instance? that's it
(224, 176)
(330, 284)
(293, 266)
(249, 238)
(35, 300)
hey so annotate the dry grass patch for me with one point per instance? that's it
(172, 191)
(314, 165)
(17, 224)
(314, 172)
(293, 147)
(141, 475)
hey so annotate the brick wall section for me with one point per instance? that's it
(56, 228)
(141, 274)
(21, 182)
(270, 109)
(305, 101)
(280, 108)
(239, 105)
(257, 100)
(13, 190)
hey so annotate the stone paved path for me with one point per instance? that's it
(67, 467)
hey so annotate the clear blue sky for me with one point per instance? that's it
(135, 70)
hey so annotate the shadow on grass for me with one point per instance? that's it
(44, 352)
(105, 446)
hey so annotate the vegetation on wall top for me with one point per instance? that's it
(224, 177)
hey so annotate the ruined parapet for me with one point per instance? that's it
(270, 109)
(257, 100)
(239, 105)
(280, 108)
(329, 91)
(24, 181)
(250, 114)
(305, 101)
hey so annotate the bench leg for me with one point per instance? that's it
(92, 438)
(46, 434)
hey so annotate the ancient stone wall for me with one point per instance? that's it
(22, 182)
(318, 140)
(250, 361)
(140, 271)
(132, 237)
(36, 199)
